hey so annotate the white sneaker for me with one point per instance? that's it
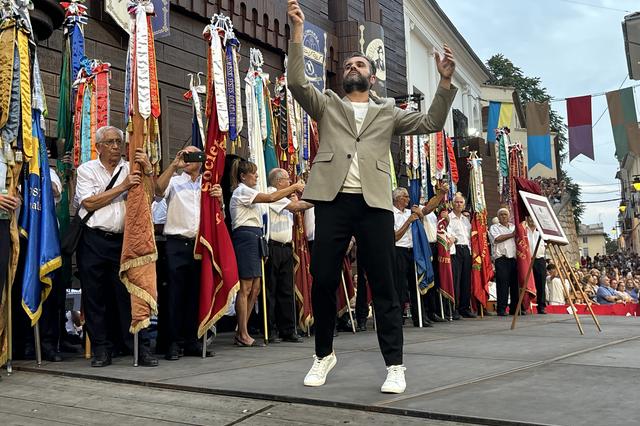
(395, 382)
(319, 370)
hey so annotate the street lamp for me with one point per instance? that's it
(636, 182)
(623, 207)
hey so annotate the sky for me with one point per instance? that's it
(576, 48)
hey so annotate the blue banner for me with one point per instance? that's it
(160, 22)
(38, 224)
(421, 249)
(315, 53)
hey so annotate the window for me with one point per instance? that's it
(585, 240)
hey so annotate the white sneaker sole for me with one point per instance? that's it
(322, 382)
(388, 390)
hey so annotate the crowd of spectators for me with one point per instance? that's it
(552, 188)
(608, 279)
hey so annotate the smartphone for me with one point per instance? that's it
(193, 157)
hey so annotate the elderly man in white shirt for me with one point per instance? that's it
(502, 237)
(180, 311)
(279, 265)
(539, 265)
(460, 228)
(106, 302)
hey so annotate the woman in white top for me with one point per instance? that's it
(246, 224)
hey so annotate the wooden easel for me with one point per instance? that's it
(566, 273)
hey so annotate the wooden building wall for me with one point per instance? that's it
(258, 23)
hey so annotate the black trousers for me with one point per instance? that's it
(362, 305)
(406, 281)
(506, 284)
(431, 300)
(105, 301)
(183, 292)
(336, 222)
(461, 263)
(53, 318)
(279, 283)
(540, 277)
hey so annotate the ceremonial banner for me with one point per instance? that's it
(580, 128)
(39, 226)
(500, 115)
(117, 9)
(421, 249)
(315, 51)
(538, 134)
(481, 267)
(219, 274)
(302, 275)
(624, 122)
(371, 43)
(445, 273)
(139, 253)
(342, 303)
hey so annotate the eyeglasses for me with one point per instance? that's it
(112, 142)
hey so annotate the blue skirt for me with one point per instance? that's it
(247, 247)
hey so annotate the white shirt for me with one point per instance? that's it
(280, 219)
(430, 223)
(532, 236)
(243, 211)
(93, 179)
(505, 248)
(460, 228)
(352, 183)
(399, 218)
(57, 184)
(159, 211)
(555, 294)
(183, 206)
(310, 223)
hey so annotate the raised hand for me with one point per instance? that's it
(446, 64)
(295, 13)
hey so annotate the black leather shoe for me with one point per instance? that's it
(456, 316)
(292, 338)
(147, 360)
(468, 314)
(362, 325)
(425, 323)
(196, 350)
(172, 353)
(274, 339)
(51, 355)
(101, 360)
(436, 318)
(541, 312)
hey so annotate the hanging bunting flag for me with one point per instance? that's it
(314, 42)
(580, 128)
(117, 9)
(371, 42)
(500, 115)
(624, 122)
(219, 273)
(538, 134)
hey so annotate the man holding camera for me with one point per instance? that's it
(182, 194)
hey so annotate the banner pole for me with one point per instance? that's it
(36, 337)
(264, 306)
(135, 349)
(418, 295)
(348, 303)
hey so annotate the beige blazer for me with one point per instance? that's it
(339, 140)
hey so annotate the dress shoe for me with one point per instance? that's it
(147, 360)
(425, 323)
(456, 316)
(274, 339)
(101, 360)
(292, 338)
(51, 355)
(172, 353)
(196, 350)
(468, 314)
(436, 318)
(541, 312)
(502, 314)
(362, 325)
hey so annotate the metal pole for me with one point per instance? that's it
(135, 349)
(418, 295)
(373, 314)
(204, 345)
(348, 303)
(9, 330)
(450, 311)
(264, 306)
(295, 311)
(441, 306)
(36, 338)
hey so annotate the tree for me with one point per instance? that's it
(530, 89)
(611, 246)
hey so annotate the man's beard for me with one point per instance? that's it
(355, 83)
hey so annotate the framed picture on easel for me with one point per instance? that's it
(544, 217)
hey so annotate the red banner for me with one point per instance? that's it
(481, 267)
(302, 274)
(219, 274)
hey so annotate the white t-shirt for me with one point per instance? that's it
(399, 218)
(310, 223)
(93, 179)
(280, 219)
(243, 211)
(352, 181)
(183, 206)
(505, 248)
